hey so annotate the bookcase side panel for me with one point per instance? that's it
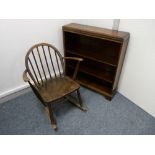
(120, 63)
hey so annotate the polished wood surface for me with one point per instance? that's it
(45, 72)
(96, 31)
(103, 51)
(57, 88)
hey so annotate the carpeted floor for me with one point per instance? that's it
(26, 115)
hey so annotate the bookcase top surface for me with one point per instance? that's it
(96, 31)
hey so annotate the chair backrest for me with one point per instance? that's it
(43, 61)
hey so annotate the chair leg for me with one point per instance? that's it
(76, 101)
(52, 119)
(80, 101)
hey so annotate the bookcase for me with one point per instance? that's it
(103, 51)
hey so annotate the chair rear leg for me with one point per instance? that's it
(80, 101)
(52, 119)
(76, 101)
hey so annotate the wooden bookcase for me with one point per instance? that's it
(103, 51)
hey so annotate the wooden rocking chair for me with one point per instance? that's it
(45, 72)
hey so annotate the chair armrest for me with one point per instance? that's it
(25, 78)
(77, 65)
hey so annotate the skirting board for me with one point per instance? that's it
(15, 92)
(12, 93)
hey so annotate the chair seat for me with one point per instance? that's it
(57, 88)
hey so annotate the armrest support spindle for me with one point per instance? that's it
(77, 65)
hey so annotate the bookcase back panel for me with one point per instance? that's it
(95, 69)
(91, 45)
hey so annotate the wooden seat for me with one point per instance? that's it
(54, 89)
(45, 72)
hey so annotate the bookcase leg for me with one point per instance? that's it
(108, 98)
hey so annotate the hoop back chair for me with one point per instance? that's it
(45, 73)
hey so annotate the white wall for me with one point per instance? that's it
(16, 37)
(137, 81)
(105, 23)
(138, 75)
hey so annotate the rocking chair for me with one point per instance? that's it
(45, 73)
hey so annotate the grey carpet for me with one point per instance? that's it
(26, 115)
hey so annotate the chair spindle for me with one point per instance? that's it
(57, 62)
(34, 73)
(46, 61)
(41, 63)
(37, 66)
(52, 61)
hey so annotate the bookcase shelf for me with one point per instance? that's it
(103, 89)
(100, 75)
(92, 83)
(103, 51)
(95, 57)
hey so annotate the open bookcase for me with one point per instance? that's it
(103, 51)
